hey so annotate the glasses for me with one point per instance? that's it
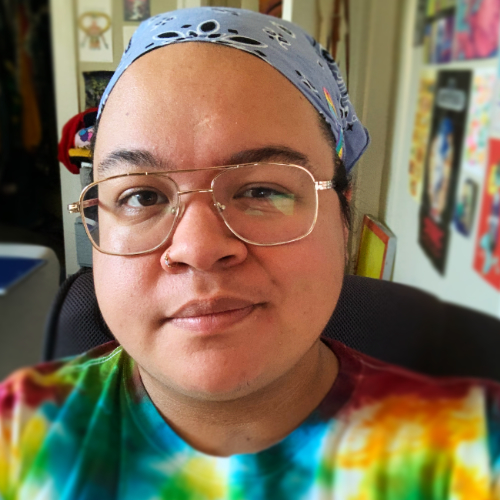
(263, 204)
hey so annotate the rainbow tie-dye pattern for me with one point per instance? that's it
(87, 430)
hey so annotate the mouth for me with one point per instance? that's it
(212, 316)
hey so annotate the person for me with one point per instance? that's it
(219, 257)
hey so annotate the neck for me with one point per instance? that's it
(256, 421)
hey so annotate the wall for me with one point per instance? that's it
(460, 284)
(372, 84)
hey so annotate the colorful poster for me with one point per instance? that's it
(487, 251)
(442, 163)
(466, 207)
(136, 10)
(95, 84)
(95, 33)
(421, 129)
(478, 127)
(476, 30)
(442, 39)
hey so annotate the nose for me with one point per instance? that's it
(201, 240)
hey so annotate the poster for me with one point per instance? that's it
(478, 127)
(476, 30)
(95, 84)
(442, 39)
(442, 164)
(95, 33)
(136, 10)
(421, 129)
(487, 250)
(465, 208)
(438, 38)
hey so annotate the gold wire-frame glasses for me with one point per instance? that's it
(299, 173)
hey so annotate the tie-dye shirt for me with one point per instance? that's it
(85, 429)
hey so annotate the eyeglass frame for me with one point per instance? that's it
(78, 207)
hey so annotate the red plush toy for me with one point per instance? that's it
(67, 142)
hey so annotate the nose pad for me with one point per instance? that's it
(220, 207)
(180, 210)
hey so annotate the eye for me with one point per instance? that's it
(142, 198)
(261, 192)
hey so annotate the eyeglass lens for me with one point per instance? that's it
(263, 204)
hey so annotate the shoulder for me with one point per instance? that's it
(427, 426)
(47, 410)
(52, 383)
(376, 380)
(393, 397)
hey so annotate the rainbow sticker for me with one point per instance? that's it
(340, 144)
(329, 100)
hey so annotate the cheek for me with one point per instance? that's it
(124, 288)
(310, 272)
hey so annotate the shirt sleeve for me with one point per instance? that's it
(8, 408)
(22, 426)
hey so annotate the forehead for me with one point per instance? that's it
(197, 104)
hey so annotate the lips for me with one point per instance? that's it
(212, 316)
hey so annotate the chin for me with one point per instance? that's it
(211, 383)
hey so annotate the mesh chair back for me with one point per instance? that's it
(75, 323)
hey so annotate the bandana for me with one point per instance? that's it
(283, 45)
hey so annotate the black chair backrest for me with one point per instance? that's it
(75, 323)
(392, 322)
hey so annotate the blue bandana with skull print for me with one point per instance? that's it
(283, 45)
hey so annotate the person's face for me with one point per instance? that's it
(195, 106)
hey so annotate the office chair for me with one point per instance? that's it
(388, 321)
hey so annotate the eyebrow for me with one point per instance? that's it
(282, 154)
(133, 157)
(145, 159)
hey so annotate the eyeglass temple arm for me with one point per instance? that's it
(322, 185)
(74, 208)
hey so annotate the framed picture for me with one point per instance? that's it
(95, 85)
(95, 30)
(136, 10)
(377, 250)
